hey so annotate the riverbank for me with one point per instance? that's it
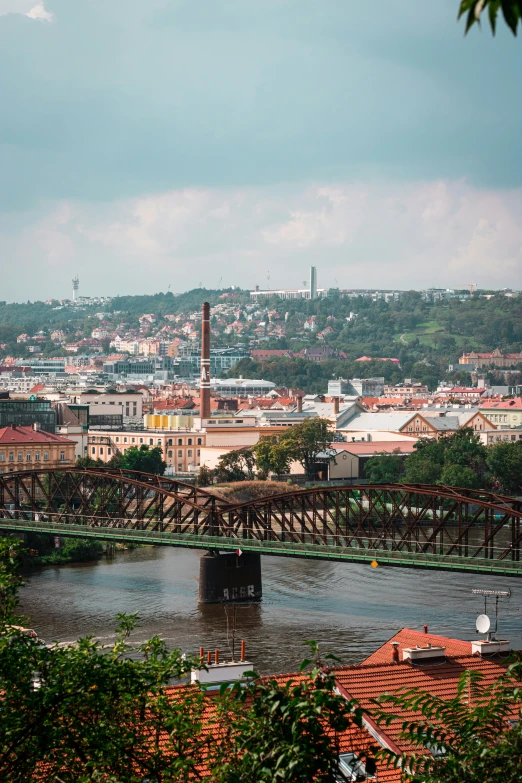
(43, 550)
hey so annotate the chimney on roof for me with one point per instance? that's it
(204, 385)
(299, 404)
(336, 405)
(36, 426)
(395, 652)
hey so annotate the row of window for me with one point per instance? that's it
(28, 457)
(159, 441)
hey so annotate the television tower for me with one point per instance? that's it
(75, 285)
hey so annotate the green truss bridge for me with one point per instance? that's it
(404, 525)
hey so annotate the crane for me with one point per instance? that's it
(465, 285)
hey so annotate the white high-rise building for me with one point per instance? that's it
(75, 285)
(313, 282)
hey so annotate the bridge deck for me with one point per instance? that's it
(355, 554)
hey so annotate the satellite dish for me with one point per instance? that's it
(482, 625)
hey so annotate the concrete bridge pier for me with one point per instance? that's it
(227, 577)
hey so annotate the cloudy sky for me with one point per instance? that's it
(148, 143)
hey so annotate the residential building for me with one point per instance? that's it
(180, 448)
(504, 414)
(26, 448)
(348, 460)
(500, 435)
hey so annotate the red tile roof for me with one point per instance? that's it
(21, 435)
(407, 637)
(366, 682)
(504, 405)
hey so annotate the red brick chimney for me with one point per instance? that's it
(204, 384)
(299, 404)
(336, 405)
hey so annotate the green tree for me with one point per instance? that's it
(505, 463)
(448, 460)
(385, 468)
(11, 552)
(144, 460)
(237, 465)
(473, 10)
(272, 456)
(305, 441)
(459, 476)
(205, 477)
(476, 737)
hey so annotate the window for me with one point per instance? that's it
(125, 440)
(354, 768)
(28, 457)
(151, 441)
(93, 450)
(37, 456)
(108, 451)
(189, 441)
(62, 455)
(180, 467)
(20, 456)
(199, 441)
(141, 440)
(169, 442)
(46, 456)
(180, 441)
(11, 456)
(101, 450)
(198, 452)
(117, 440)
(159, 441)
(189, 452)
(180, 453)
(2, 457)
(170, 453)
(133, 440)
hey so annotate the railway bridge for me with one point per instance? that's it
(391, 524)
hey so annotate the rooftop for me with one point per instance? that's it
(21, 435)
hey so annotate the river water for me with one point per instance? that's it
(350, 609)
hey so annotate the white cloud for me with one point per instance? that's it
(389, 235)
(39, 12)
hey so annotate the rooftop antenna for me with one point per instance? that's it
(483, 623)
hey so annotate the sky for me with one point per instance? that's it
(154, 143)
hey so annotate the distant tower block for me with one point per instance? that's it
(313, 282)
(75, 285)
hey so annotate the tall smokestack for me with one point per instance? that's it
(204, 384)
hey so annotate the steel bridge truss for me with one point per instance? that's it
(398, 522)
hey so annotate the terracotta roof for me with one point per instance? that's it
(366, 682)
(510, 405)
(407, 637)
(21, 435)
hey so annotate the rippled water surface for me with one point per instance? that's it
(349, 608)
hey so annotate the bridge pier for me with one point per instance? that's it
(227, 577)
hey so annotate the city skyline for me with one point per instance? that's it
(148, 143)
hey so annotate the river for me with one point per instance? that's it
(350, 609)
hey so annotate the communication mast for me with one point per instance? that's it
(75, 285)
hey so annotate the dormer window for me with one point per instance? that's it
(353, 768)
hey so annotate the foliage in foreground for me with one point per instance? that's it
(475, 737)
(87, 712)
(473, 10)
